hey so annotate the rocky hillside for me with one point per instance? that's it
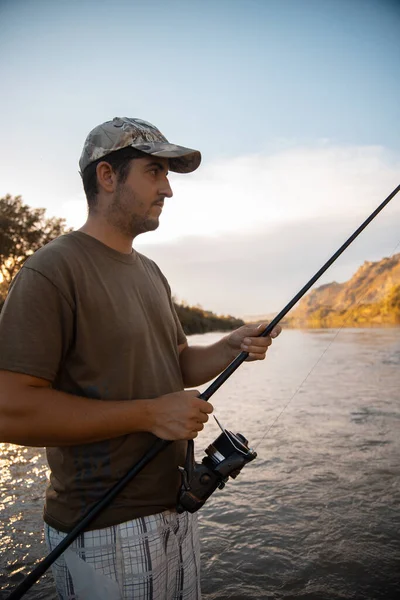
(370, 297)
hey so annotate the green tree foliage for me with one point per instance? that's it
(196, 320)
(23, 230)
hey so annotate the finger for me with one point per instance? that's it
(259, 342)
(255, 356)
(256, 344)
(205, 407)
(276, 331)
(256, 352)
(253, 330)
(203, 417)
(195, 425)
(196, 393)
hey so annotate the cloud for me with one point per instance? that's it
(244, 235)
(258, 273)
(243, 193)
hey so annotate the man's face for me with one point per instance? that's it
(139, 200)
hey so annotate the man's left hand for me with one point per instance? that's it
(247, 339)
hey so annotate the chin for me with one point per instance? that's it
(152, 224)
(149, 225)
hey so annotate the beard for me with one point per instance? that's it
(122, 215)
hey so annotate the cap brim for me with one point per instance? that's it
(181, 159)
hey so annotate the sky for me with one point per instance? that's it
(294, 105)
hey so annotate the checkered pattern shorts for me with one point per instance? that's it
(149, 558)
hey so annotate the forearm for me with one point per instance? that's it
(41, 416)
(200, 364)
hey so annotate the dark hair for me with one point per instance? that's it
(119, 161)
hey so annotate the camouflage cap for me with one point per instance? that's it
(122, 132)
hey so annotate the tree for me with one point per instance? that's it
(23, 230)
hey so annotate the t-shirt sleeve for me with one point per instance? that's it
(36, 326)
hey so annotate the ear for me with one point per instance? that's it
(106, 177)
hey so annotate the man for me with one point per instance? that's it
(94, 363)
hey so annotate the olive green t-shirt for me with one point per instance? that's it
(100, 324)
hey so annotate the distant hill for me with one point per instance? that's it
(370, 297)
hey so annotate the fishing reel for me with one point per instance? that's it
(224, 458)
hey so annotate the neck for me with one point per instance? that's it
(107, 234)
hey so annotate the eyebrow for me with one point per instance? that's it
(155, 163)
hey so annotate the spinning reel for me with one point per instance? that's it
(225, 458)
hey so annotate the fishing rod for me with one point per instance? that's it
(214, 472)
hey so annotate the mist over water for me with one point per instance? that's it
(316, 516)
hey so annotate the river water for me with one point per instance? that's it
(316, 516)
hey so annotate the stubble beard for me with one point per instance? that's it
(120, 214)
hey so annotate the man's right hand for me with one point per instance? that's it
(178, 416)
(32, 413)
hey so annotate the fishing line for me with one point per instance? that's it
(395, 249)
(355, 305)
(298, 389)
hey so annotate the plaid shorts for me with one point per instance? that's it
(149, 558)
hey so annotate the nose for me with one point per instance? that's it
(165, 188)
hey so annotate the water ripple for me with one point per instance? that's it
(315, 517)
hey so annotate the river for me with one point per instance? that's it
(316, 516)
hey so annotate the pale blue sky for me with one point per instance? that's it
(311, 87)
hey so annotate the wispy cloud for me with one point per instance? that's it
(249, 192)
(242, 236)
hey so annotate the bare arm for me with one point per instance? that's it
(34, 414)
(202, 363)
(199, 364)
